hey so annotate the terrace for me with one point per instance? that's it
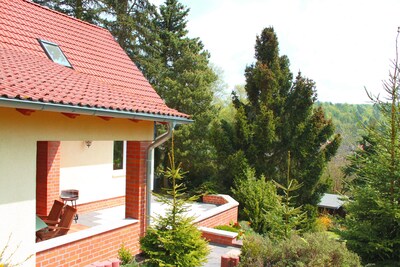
(109, 226)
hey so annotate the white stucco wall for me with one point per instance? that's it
(18, 141)
(90, 170)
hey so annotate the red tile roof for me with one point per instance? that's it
(103, 76)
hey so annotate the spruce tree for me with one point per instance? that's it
(87, 10)
(174, 240)
(372, 226)
(279, 116)
(184, 80)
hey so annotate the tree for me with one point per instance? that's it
(277, 116)
(174, 240)
(184, 80)
(372, 226)
(269, 213)
(87, 10)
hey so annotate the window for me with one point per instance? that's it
(118, 162)
(119, 156)
(53, 51)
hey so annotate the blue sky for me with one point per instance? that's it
(343, 45)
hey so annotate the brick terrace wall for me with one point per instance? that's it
(47, 175)
(214, 199)
(89, 250)
(224, 240)
(101, 204)
(223, 218)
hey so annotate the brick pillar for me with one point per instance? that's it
(47, 175)
(135, 199)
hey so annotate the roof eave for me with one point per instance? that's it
(61, 108)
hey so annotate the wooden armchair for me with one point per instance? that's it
(61, 228)
(54, 215)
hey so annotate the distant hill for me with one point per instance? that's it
(350, 121)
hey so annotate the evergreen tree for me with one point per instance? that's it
(174, 240)
(372, 226)
(184, 80)
(279, 116)
(87, 10)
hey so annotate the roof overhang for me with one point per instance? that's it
(91, 111)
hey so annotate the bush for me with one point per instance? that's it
(232, 227)
(259, 200)
(325, 221)
(125, 255)
(311, 250)
(227, 228)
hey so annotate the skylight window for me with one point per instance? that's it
(54, 52)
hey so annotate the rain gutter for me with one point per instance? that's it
(157, 142)
(54, 107)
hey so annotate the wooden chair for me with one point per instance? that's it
(61, 228)
(54, 215)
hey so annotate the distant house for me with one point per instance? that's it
(332, 203)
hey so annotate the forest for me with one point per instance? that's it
(351, 121)
(269, 143)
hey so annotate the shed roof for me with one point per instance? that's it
(331, 201)
(103, 76)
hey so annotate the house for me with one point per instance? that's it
(75, 112)
(332, 204)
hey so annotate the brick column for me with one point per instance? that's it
(47, 175)
(135, 205)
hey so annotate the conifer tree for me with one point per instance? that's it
(279, 116)
(184, 80)
(372, 226)
(87, 10)
(174, 240)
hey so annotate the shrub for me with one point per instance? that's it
(125, 255)
(259, 201)
(311, 250)
(325, 221)
(227, 228)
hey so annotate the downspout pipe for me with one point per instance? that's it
(157, 142)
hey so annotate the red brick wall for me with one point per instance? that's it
(47, 175)
(101, 204)
(135, 206)
(89, 250)
(224, 240)
(214, 199)
(223, 218)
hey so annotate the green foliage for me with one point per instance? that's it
(259, 201)
(350, 122)
(310, 224)
(227, 228)
(183, 78)
(87, 10)
(311, 250)
(292, 216)
(125, 255)
(269, 213)
(278, 115)
(372, 226)
(174, 240)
